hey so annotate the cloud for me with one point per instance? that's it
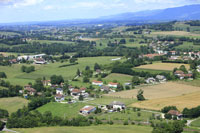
(19, 3)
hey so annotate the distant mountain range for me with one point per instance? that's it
(190, 12)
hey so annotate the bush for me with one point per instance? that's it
(126, 122)
(168, 108)
(1, 125)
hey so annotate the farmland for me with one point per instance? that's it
(177, 33)
(162, 66)
(186, 100)
(12, 104)
(91, 129)
(165, 90)
(196, 123)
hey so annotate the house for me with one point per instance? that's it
(30, 91)
(113, 85)
(172, 52)
(98, 71)
(99, 83)
(39, 61)
(117, 105)
(151, 56)
(75, 92)
(178, 73)
(161, 78)
(70, 88)
(87, 110)
(59, 98)
(105, 88)
(83, 90)
(46, 82)
(59, 91)
(176, 113)
(13, 61)
(150, 80)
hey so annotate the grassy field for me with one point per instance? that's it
(187, 100)
(50, 41)
(165, 90)
(62, 110)
(121, 78)
(196, 123)
(162, 66)
(195, 82)
(176, 33)
(188, 45)
(15, 76)
(107, 100)
(12, 104)
(90, 129)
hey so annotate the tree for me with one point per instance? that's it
(78, 73)
(38, 85)
(81, 98)
(3, 75)
(168, 108)
(96, 66)
(182, 68)
(140, 96)
(86, 79)
(56, 79)
(168, 116)
(135, 81)
(23, 68)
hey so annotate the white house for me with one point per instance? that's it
(150, 80)
(161, 78)
(113, 85)
(59, 98)
(99, 83)
(59, 91)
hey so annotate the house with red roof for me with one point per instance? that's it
(113, 85)
(99, 83)
(87, 110)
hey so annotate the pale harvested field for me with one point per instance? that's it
(90, 39)
(165, 90)
(176, 33)
(188, 100)
(162, 66)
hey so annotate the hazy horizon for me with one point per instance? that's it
(48, 10)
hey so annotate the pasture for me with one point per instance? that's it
(89, 129)
(12, 104)
(121, 78)
(15, 76)
(196, 123)
(162, 66)
(165, 90)
(185, 100)
(62, 110)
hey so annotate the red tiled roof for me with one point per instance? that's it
(174, 112)
(82, 88)
(76, 91)
(97, 81)
(111, 83)
(179, 72)
(87, 108)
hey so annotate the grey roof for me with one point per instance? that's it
(117, 103)
(59, 89)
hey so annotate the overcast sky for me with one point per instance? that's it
(42, 10)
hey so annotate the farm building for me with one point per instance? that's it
(99, 83)
(87, 110)
(46, 82)
(30, 91)
(105, 88)
(75, 92)
(175, 113)
(161, 78)
(150, 80)
(117, 105)
(39, 61)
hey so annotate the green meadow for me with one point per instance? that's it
(15, 76)
(90, 129)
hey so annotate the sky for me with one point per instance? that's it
(45, 10)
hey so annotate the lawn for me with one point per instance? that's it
(12, 104)
(15, 76)
(196, 123)
(121, 78)
(162, 66)
(187, 100)
(188, 45)
(90, 129)
(165, 90)
(62, 110)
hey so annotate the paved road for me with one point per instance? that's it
(8, 130)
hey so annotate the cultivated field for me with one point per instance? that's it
(89, 129)
(12, 104)
(187, 100)
(196, 123)
(162, 66)
(176, 33)
(165, 90)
